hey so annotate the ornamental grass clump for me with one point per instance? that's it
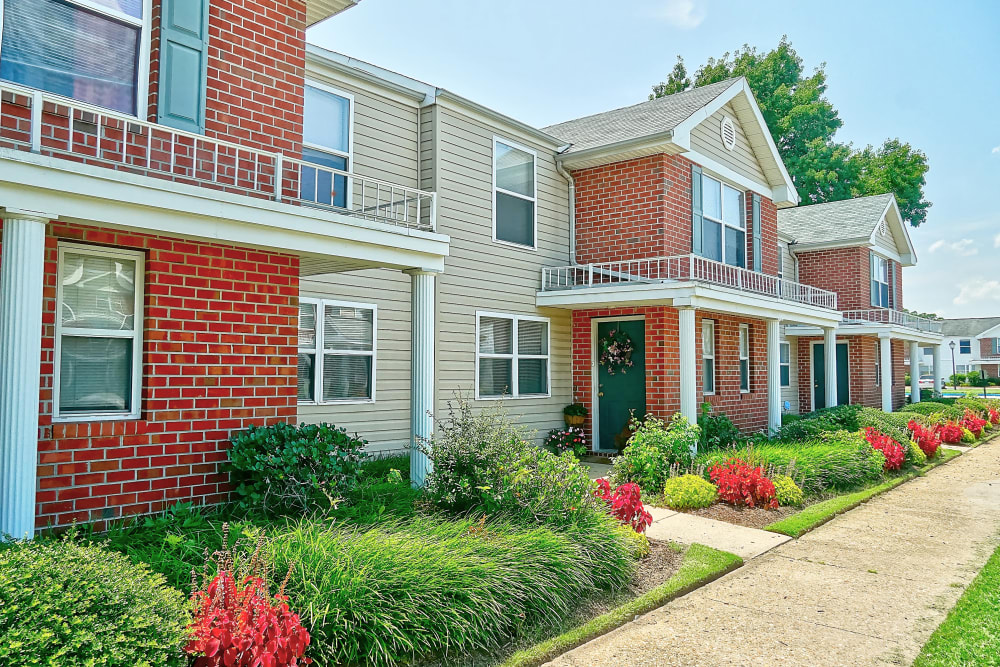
(688, 492)
(69, 603)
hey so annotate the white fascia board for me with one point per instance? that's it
(323, 62)
(720, 170)
(99, 196)
(496, 120)
(993, 332)
(894, 220)
(799, 247)
(682, 136)
(622, 150)
(697, 295)
(879, 330)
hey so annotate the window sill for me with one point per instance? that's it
(509, 397)
(346, 401)
(97, 417)
(519, 246)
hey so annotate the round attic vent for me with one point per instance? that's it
(728, 132)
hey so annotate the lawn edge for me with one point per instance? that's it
(701, 565)
(863, 496)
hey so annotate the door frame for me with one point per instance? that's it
(812, 370)
(595, 408)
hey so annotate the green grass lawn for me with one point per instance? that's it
(970, 635)
(821, 512)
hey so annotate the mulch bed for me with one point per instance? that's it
(657, 567)
(755, 517)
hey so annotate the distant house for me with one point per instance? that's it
(977, 345)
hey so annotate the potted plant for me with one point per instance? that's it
(575, 414)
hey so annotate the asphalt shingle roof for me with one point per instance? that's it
(833, 221)
(637, 121)
(969, 326)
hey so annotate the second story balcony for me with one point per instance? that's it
(684, 269)
(50, 125)
(885, 316)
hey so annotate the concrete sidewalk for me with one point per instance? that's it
(868, 588)
(745, 542)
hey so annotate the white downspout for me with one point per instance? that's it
(572, 208)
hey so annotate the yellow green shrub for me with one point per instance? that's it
(688, 492)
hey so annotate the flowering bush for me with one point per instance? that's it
(740, 484)
(655, 445)
(892, 450)
(571, 439)
(994, 415)
(972, 422)
(237, 623)
(616, 352)
(950, 433)
(928, 439)
(688, 492)
(626, 504)
(787, 491)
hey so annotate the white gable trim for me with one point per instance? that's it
(725, 173)
(894, 220)
(993, 332)
(682, 136)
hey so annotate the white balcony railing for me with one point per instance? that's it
(683, 268)
(893, 317)
(31, 120)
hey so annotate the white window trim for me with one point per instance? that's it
(319, 351)
(786, 364)
(879, 262)
(142, 67)
(349, 154)
(514, 356)
(744, 331)
(707, 323)
(534, 200)
(136, 334)
(722, 205)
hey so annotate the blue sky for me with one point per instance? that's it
(921, 71)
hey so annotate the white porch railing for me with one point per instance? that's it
(681, 268)
(894, 317)
(39, 122)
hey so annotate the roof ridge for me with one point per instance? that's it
(837, 201)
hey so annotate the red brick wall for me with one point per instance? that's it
(642, 208)
(986, 348)
(842, 270)
(748, 411)
(219, 354)
(992, 370)
(256, 72)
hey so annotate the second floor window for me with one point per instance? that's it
(995, 346)
(514, 197)
(965, 346)
(91, 51)
(724, 236)
(880, 280)
(327, 123)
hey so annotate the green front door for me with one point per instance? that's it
(819, 376)
(623, 393)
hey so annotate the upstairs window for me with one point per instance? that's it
(965, 346)
(336, 352)
(514, 196)
(880, 282)
(87, 50)
(995, 347)
(328, 119)
(724, 236)
(512, 356)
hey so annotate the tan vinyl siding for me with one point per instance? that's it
(706, 139)
(789, 266)
(481, 275)
(886, 242)
(791, 392)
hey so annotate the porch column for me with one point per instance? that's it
(914, 372)
(830, 365)
(885, 350)
(21, 279)
(938, 369)
(689, 373)
(421, 371)
(773, 376)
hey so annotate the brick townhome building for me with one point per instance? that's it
(209, 224)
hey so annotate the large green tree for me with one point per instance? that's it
(804, 123)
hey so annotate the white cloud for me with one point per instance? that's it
(996, 241)
(976, 291)
(684, 14)
(996, 149)
(962, 247)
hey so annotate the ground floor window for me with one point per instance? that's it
(512, 356)
(336, 351)
(98, 346)
(708, 356)
(785, 363)
(744, 358)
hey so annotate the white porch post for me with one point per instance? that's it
(830, 365)
(773, 376)
(422, 371)
(914, 372)
(21, 279)
(938, 369)
(885, 350)
(689, 373)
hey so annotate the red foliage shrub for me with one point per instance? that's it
(239, 624)
(626, 504)
(994, 416)
(972, 422)
(926, 438)
(892, 450)
(950, 433)
(739, 484)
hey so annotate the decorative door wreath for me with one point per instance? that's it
(616, 352)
